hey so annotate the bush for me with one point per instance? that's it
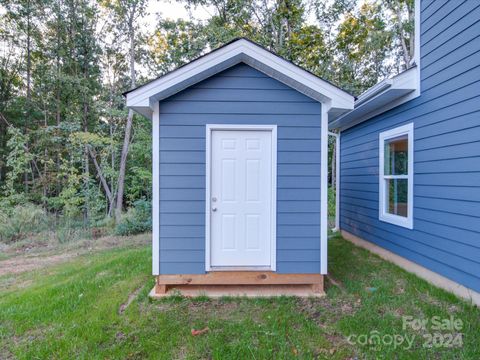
(331, 202)
(137, 220)
(20, 221)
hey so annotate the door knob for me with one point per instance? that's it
(214, 209)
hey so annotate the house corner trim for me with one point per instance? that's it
(324, 189)
(156, 189)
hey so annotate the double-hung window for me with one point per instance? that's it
(396, 176)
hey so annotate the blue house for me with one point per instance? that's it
(240, 140)
(410, 155)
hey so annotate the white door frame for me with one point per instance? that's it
(208, 171)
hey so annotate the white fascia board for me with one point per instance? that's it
(374, 90)
(380, 98)
(325, 91)
(223, 58)
(142, 95)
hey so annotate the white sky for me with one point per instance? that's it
(176, 10)
(173, 10)
(167, 9)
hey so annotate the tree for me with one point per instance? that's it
(126, 14)
(174, 43)
(403, 19)
(64, 128)
(361, 49)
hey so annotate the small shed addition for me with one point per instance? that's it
(240, 140)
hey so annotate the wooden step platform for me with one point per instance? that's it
(251, 291)
(239, 283)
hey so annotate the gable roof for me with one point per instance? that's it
(142, 98)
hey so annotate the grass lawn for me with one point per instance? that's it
(79, 310)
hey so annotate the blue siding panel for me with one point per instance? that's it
(239, 95)
(446, 117)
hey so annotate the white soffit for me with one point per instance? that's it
(380, 98)
(142, 98)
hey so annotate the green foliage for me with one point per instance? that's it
(138, 219)
(18, 160)
(331, 202)
(362, 46)
(21, 220)
(174, 43)
(65, 64)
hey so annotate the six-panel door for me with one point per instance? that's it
(241, 198)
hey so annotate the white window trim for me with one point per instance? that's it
(273, 244)
(383, 215)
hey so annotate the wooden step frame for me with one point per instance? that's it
(238, 278)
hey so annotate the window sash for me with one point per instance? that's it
(384, 215)
(386, 177)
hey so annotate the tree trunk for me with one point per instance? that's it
(123, 165)
(45, 169)
(57, 99)
(86, 168)
(100, 175)
(3, 145)
(405, 50)
(128, 127)
(29, 93)
(112, 178)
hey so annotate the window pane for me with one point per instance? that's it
(397, 196)
(396, 156)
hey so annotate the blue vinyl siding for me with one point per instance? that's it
(446, 117)
(239, 95)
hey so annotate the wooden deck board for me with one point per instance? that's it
(239, 283)
(240, 278)
(251, 291)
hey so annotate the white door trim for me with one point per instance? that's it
(273, 241)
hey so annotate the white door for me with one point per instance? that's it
(241, 199)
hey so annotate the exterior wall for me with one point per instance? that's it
(239, 95)
(446, 226)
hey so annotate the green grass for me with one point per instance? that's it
(331, 202)
(72, 311)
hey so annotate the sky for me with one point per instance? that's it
(168, 9)
(176, 10)
(173, 10)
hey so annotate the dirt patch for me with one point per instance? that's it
(29, 263)
(431, 300)
(130, 299)
(325, 313)
(120, 336)
(39, 255)
(221, 310)
(334, 282)
(324, 308)
(400, 286)
(6, 354)
(213, 308)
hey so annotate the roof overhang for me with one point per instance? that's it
(143, 98)
(382, 97)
